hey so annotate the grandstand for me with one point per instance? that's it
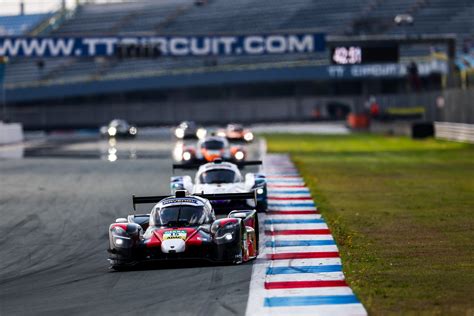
(183, 17)
(21, 24)
(28, 80)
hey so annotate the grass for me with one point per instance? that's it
(402, 212)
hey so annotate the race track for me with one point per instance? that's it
(55, 210)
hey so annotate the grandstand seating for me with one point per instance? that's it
(20, 24)
(335, 17)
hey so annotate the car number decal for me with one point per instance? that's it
(174, 234)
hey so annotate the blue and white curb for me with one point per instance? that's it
(298, 270)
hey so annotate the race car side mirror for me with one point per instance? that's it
(121, 220)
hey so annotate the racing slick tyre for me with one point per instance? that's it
(119, 262)
(239, 256)
(119, 268)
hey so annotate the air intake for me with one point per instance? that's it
(180, 193)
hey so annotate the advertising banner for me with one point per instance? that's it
(153, 46)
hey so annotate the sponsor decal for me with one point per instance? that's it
(154, 46)
(185, 200)
(219, 166)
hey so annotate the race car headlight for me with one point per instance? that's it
(225, 237)
(186, 156)
(248, 136)
(239, 155)
(179, 133)
(201, 133)
(118, 241)
(120, 237)
(260, 191)
(132, 130)
(112, 131)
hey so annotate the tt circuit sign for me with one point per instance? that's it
(153, 46)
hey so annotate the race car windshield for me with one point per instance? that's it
(213, 144)
(189, 125)
(181, 215)
(217, 176)
(236, 128)
(117, 123)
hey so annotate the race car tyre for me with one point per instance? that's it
(239, 257)
(119, 268)
(121, 260)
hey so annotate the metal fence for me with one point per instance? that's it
(448, 106)
(457, 106)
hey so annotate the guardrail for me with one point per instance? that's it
(455, 131)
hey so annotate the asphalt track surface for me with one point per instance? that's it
(55, 212)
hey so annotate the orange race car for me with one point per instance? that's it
(236, 132)
(211, 148)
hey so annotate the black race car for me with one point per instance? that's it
(189, 130)
(118, 128)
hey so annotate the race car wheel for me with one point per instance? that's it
(239, 256)
(121, 261)
(117, 265)
(119, 268)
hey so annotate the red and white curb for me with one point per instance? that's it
(298, 270)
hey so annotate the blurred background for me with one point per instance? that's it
(417, 64)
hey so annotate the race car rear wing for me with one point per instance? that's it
(214, 196)
(240, 164)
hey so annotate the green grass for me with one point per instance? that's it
(402, 212)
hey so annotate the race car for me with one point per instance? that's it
(118, 128)
(236, 132)
(184, 227)
(223, 177)
(210, 148)
(189, 130)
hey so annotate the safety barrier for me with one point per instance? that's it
(10, 133)
(455, 131)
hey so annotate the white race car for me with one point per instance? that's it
(223, 177)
